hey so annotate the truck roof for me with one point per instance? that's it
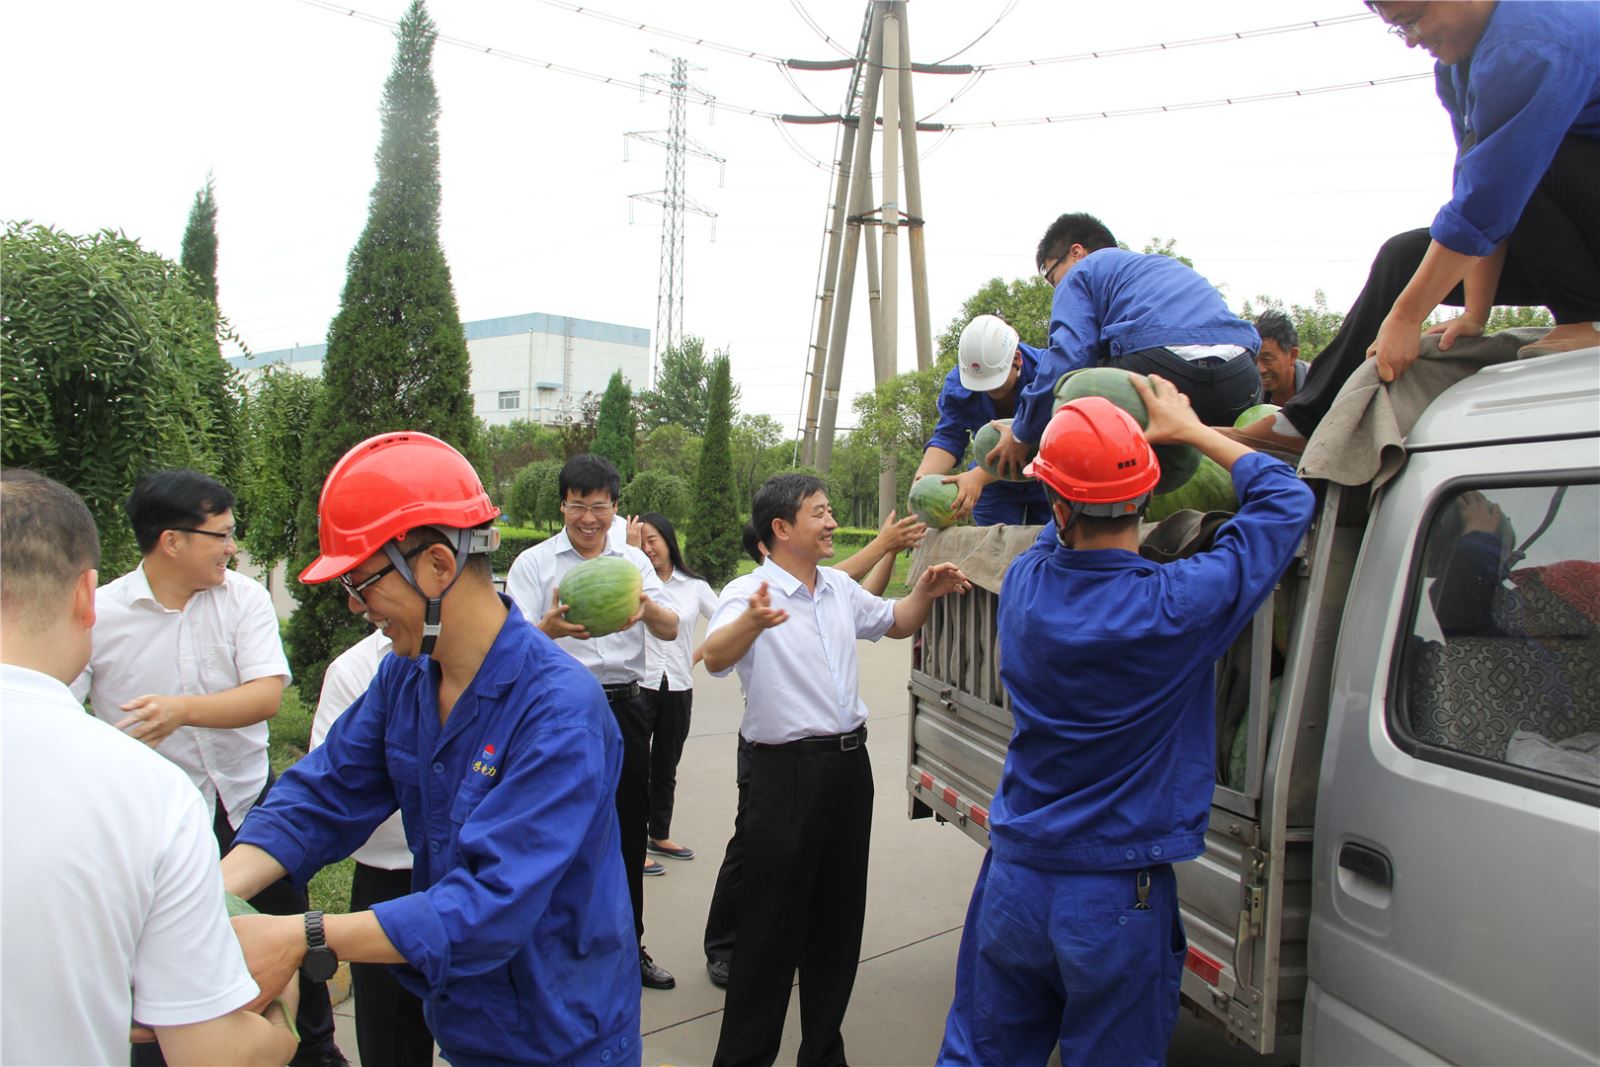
(1548, 397)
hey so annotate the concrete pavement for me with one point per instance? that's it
(920, 877)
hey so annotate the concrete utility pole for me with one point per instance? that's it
(882, 70)
(673, 198)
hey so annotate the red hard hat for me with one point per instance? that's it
(1093, 452)
(384, 488)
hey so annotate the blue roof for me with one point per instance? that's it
(535, 322)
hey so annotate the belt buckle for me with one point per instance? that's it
(850, 742)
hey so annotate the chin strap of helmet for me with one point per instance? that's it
(467, 541)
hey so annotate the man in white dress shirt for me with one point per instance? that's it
(589, 487)
(112, 898)
(187, 659)
(790, 628)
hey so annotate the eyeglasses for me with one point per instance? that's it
(1406, 28)
(578, 511)
(220, 535)
(354, 588)
(1044, 272)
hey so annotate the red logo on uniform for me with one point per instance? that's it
(488, 750)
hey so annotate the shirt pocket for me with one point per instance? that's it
(219, 670)
(469, 796)
(405, 774)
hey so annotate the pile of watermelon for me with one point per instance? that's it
(601, 594)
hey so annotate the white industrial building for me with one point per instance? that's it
(523, 366)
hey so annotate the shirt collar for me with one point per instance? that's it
(773, 574)
(139, 587)
(35, 682)
(564, 544)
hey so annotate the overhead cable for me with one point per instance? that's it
(1191, 105)
(998, 19)
(1190, 42)
(676, 35)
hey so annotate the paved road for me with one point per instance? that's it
(920, 877)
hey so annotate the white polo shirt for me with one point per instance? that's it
(689, 597)
(224, 637)
(345, 682)
(800, 678)
(112, 895)
(614, 659)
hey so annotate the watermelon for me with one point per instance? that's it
(1255, 414)
(1178, 462)
(931, 498)
(238, 906)
(1211, 489)
(601, 594)
(983, 443)
(1237, 754)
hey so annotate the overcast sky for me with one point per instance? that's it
(115, 112)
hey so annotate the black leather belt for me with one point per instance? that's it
(827, 743)
(621, 691)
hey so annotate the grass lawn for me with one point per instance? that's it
(289, 735)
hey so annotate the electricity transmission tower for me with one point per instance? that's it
(673, 200)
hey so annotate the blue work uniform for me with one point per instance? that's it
(518, 933)
(1532, 81)
(1113, 304)
(963, 412)
(1108, 658)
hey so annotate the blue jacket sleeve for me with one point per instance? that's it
(1228, 583)
(954, 419)
(1074, 343)
(326, 806)
(554, 802)
(1527, 95)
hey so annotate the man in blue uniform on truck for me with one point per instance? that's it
(992, 368)
(503, 757)
(1073, 935)
(1142, 312)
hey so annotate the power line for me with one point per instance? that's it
(1190, 42)
(817, 29)
(1191, 105)
(676, 35)
(998, 19)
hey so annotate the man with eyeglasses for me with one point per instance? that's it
(589, 487)
(187, 659)
(1521, 84)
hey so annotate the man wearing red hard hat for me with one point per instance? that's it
(501, 754)
(1073, 935)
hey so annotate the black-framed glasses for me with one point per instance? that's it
(220, 535)
(354, 588)
(1044, 272)
(1406, 28)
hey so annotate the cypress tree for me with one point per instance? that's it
(397, 357)
(614, 427)
(198, 256)
(713, 547)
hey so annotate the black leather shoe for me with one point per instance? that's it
(718, 970)
(653, 976)
(326, 1056)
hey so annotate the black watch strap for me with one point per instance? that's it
(320, 963)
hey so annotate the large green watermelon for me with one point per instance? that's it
(1178, 462)
(1255, 414)
(931, 498)
(601, 594)
(983, 443)
(1211, 489)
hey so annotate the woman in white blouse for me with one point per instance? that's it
(668, 687)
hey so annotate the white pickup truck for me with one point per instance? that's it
(1403, 859)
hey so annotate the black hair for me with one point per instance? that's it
(478, 563)
(589, 473)
(779, 498)
(750, 541)
(171, 500)
(1075, 228)
(663, 527)
(1274, 325)
(1094, 525)
(50, 539)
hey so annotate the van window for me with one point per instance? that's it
(1500, 670)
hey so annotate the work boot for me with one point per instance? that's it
(653, 976)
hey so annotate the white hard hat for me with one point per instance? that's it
(988, 346)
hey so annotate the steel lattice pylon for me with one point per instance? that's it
(674, 200)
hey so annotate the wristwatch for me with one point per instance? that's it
(320, 961)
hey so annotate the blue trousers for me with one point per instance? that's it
(1049, 957)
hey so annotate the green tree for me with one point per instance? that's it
(614, 427)
(514, 445)
(397, 357)
(758, 454)
(579, 419)
(1506, 318)
(657, 491)
(1165, 247)
(682, 393)
(1022, 302)
(1315, 324)
(669, 448)
(853, 479)
(107, 359)
(534, 500)
(282, 404)
(198, 255)
(713, 531)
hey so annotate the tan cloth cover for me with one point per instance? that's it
(1362, 438)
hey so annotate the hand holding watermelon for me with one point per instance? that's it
(1172, 419)
(555, 624)
(969, 485)
(1009, 456)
